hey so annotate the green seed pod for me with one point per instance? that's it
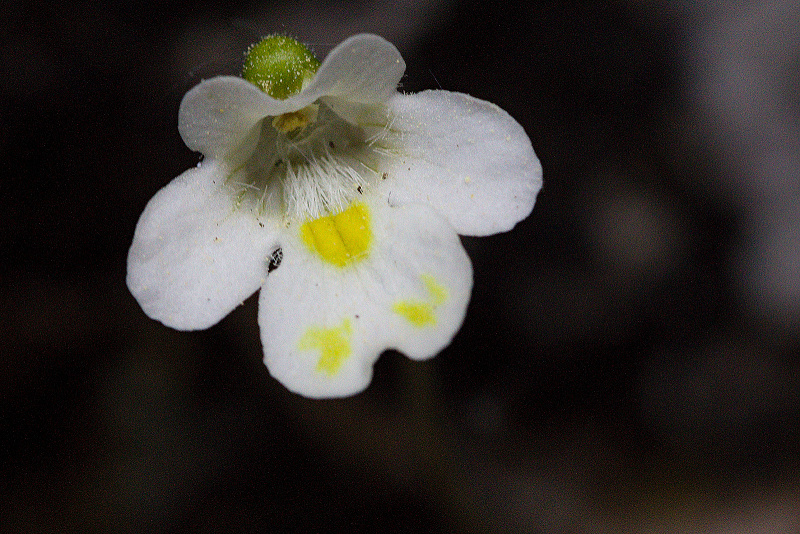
(280, 66)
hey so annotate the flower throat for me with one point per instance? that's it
(308, 163)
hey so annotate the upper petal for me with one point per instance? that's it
(363, 69)
(324, 325)
(465, 157)
(196, 255)
(218, 116)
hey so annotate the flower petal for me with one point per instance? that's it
(465, 157)
(363, 69)
(218, 117)
(221, 117)
(196, 255)
(324, 325)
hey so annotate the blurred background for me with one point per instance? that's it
(629, 358)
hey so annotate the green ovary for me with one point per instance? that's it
(280, 66)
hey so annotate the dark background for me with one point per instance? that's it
(628, 362)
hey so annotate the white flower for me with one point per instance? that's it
(343, 204)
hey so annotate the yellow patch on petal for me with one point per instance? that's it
(418, 312)
(333, 345)
(437, 291)
(340, 238)
(415, 312)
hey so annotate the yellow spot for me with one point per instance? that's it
(333, 345)
(418, 312)
(341, 238)
(437, 291)
(415, 312)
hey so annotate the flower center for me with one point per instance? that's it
(295, 120)
(306, 165)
